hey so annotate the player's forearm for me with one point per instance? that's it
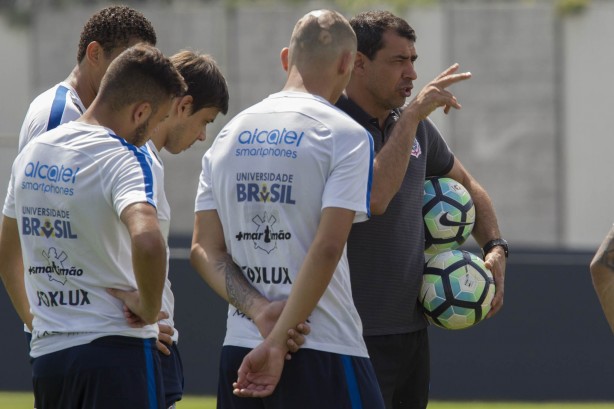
(390, 164)
(307, 289)
(14, 284)
(149, 264)
(603, 282)
(602, 273)
(225, 277)
(215, 265)
(240, 291)
(11, 269)
(316, 271)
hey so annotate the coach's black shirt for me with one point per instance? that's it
(386, 253)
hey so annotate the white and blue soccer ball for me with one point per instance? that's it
(457, 289)
(449, 215)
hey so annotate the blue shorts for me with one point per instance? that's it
(311, 379)
(110, 372)
(172, 374)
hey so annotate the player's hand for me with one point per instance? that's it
(296, 338)
(260, 371)
(435, 94)
(268, 316)
(132, 305)
(495, 261)
(165, 337)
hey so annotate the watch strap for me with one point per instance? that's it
(494, 243)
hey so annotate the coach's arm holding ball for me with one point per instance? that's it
(387, 178)
(485, 231)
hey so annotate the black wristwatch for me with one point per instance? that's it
(494, 243)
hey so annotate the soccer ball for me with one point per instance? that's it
(457, 289)
(448, 213)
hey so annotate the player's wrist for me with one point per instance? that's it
(496, 244)
(278, 340)
(255, 308)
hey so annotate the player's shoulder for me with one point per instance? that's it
(60, 97)
(342, 123)
(45, 99)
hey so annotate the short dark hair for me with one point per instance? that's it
(205, 81)
(114, 27)
(140, 73)
(370, 27)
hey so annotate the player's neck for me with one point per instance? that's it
(159, 138)
(319, 84)
(82, 85)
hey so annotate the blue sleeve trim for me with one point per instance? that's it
(57, 108)
(143, 158)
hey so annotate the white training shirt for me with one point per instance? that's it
(164, 219)
(68, 188)
(269, 174)
(57, 105)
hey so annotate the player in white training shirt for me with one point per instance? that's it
(107, 33)
(280, 188)
(207, 95)
(80, 209)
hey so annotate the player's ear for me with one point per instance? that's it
(184, 106)
(345, 63)
(284, 58)
(94, 52)
(141, 113)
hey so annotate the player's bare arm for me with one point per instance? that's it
(485, 229)
(11, 269)
(602, 273)
(261, 368)
(390, 164)
(210, 258)
(148, 262)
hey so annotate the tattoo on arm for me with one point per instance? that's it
(241, 294)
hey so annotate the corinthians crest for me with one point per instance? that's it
(266, 235)
(266, 239)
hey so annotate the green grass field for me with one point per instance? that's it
(17, 400)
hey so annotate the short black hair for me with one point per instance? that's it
(114, 27)
(370, 27)
(141, 73)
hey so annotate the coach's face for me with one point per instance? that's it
(389, 76)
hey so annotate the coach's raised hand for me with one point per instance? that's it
(435, 94)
